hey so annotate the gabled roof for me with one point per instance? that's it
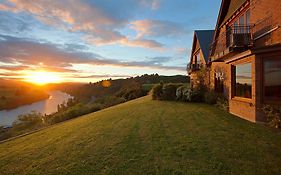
(228, 9)
(204, 38)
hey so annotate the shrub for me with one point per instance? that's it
(185, 93)
(157, 92)
(195, 96)
(132, 93)
(182, 93)
(95, 107)
(222, 103)
(169, 91)
(273, 115)
(210, 97)
(110, 100)
(179, 93)
(27, 121)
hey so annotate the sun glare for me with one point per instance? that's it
(42, 77)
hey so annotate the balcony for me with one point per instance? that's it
(194, 67)
(234, 39)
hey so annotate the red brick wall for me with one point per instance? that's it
(266, 15)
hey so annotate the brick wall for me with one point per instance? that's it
(225, 69)
(266, 15)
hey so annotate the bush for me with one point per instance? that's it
(157, 92)
(273, 115)
(169, 91)
(28, 121)
(210, 97)
(182, 93)
(179, 93)
(222, 103)
(132, 93)
(110, 100)
(95, 107)
(195, 96)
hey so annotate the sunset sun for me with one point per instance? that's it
(42, 77)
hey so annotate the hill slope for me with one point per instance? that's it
(147, 137)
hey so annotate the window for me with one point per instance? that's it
(248, 17)
(248, 21)
(272, 79)
(243, 80)
(241, 20)
(198, 58)
(240, 24)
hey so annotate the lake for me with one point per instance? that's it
(48, 106)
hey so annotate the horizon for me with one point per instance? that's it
(61, 44)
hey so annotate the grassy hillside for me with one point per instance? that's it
(147, 137)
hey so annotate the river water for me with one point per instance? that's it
(48, 106)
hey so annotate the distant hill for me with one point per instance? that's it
(112, 87)
(12, 83)
(14, 93)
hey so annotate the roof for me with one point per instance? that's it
(204, 38)
(229, 9)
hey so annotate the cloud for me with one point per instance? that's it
(153, 4)
(60, 58)
(159, 60)
(157, 28)
(144, 43)
(99, 26)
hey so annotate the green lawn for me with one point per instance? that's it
(147, 137)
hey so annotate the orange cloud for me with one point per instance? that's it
(157, 28)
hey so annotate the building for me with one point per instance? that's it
(245, 56)
(199, 58)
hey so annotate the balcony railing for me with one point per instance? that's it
(233, 39)
(194, 67)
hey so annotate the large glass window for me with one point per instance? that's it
(272, 79)
(243, 80)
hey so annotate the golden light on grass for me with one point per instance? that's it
(42, 77)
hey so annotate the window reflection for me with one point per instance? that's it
(272, 78)
(243, 80)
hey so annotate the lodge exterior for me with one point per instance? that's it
(245, 56)
(200, 55)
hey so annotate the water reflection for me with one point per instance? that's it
(48, 106)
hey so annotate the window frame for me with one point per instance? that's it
(233, 84)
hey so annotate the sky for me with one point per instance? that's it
(90, 40)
